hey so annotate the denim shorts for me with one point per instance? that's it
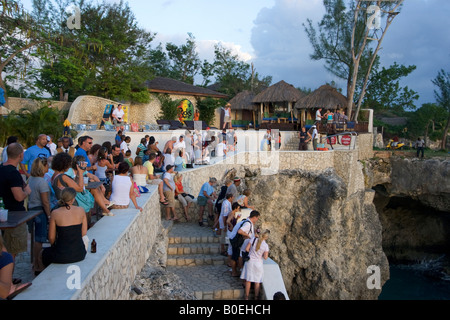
(40, 226)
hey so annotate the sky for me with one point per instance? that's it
(270, 34)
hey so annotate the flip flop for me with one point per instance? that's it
(164, 203)
(16, 281)
(19, 289)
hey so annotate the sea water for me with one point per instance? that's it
(421, 281)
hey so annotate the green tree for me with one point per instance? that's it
(428, 121)
(207, 108)
(169, 107)
(442, 94)
(385, 93)
(346, 41)
(234, 75)
(20, 36)
(184, 62)
(28, 123)
(106, 57)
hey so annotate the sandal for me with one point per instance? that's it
(18, 289)
(165, 203)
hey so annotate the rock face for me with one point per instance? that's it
(323, 240)
(413, 202)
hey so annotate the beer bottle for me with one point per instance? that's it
(93, 246)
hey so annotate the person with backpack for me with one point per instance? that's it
(241, 231)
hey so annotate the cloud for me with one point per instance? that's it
(281, 46)
(418, 36)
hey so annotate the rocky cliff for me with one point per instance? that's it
(323, 239)
(413, 201)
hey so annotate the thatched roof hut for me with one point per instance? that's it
(243, 101)
(325, 97)
(171, 86)
(279, 92)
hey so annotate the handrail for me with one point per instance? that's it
(352, 133)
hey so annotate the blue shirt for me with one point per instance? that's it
(206, 187)
(82, 152)
(32, 153)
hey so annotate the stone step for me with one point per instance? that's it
(195, 260)
(210, 282)
(193, 248)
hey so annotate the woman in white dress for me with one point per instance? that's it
(123, 189)
(139, 172)
(253, 270)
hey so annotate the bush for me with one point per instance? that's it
(169, 107)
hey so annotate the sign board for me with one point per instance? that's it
(346, 140)
(185, 111)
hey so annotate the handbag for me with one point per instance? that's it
(246, 254)
(238, 239)
(85, 200)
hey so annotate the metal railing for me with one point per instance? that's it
(350, 133)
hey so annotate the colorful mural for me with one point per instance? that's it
(185, 111)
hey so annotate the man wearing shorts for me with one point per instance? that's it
(205, 197)
(117, 115)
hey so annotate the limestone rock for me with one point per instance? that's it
(322, 240)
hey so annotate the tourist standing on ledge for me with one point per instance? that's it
(420, 145)
(314, 136)
(253, 271)
(205, 197)
(227, 117)
(318, 116)
(305, 137)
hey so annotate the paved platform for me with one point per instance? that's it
(194, 255)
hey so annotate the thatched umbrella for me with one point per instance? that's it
(325, 97)
(244, 101)
(281, 92)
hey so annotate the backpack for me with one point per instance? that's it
(238, 239)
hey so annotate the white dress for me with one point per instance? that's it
(253, 270)
(140, 179)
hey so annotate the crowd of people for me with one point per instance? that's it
(70, 182)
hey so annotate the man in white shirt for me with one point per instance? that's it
(180, 144)
(51, 145)
(246, 229)
(318, 116)
(168, 158)
(314, 137)
(226, 209)
(117, 115)
(221, 149)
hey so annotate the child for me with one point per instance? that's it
(128, 158)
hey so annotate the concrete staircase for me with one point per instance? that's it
(292, 144)
(193, 254)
